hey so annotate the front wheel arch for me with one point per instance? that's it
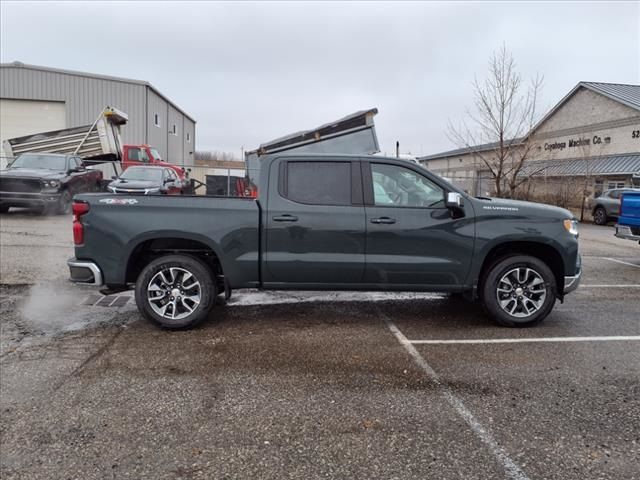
(545, 253)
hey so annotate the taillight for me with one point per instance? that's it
(79, 209)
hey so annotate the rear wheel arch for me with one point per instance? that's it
(148, 250)
(542, 251)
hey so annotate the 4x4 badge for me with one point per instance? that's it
(119, 201)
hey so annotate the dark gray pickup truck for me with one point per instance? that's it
(327, 222)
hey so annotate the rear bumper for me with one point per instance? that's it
(84, 272)
(622, 231)
(15, 199)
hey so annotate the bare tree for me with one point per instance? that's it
(503, 116)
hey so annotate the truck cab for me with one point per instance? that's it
(145, 155)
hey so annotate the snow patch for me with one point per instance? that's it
(255, 297)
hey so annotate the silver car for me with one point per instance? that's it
(607, 206)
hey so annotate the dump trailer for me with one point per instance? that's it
(98, 144)
(98, 141)
(353, 134)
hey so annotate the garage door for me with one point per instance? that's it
(24, 117)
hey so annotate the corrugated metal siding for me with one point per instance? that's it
(188, 146)
(174, 142)
(157, 136)
(609, 165)
(85, 97)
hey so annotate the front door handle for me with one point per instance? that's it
(385, 220)
(285, 218)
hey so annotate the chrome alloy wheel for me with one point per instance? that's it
(173, 293)
(521, 292)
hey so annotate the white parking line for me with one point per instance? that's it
(610, 286)
(474, 341)
(620, 261)
(512, 470)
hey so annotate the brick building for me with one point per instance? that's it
(589, 141)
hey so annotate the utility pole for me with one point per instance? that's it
(397, 149)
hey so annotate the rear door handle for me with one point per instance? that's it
(285, 218)
(385, 220)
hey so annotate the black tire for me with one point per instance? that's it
(151, 275)
(64, 203)
(4, 208)
(600, 216)
(524, 297)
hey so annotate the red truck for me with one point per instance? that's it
(98, 144)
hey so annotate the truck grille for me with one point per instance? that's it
(22, 185)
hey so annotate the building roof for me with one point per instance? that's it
(485, 147)
(623, 164)
(99, 76)
(628, 95)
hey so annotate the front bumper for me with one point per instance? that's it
(15, 199)
(622, 231)
(84, 272)
(572, 282)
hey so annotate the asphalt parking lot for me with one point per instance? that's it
(309, 385)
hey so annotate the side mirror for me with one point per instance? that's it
(114, 177)
(454, 200)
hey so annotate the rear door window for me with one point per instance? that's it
(318, 183)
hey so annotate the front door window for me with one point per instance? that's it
(396, 186)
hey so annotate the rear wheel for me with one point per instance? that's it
(519, 291)
(600, 216)
(175, 291)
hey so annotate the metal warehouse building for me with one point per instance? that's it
(589, 141)
(36, 99)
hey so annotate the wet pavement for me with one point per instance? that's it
(311, 385)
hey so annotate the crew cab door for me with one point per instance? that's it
(315, 223)
(412, 238)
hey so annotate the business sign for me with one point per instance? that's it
(577, 142)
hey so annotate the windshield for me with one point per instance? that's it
(144, 174)
(46, 162)
(155, 154)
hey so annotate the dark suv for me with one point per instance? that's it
(45, 181)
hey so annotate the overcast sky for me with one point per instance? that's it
(250, 72)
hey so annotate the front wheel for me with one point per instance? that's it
(64, 203)
(519, 291)
(175, 291)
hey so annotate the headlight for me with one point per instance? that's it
(51, 183)
(571, 226)
(113, 189)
